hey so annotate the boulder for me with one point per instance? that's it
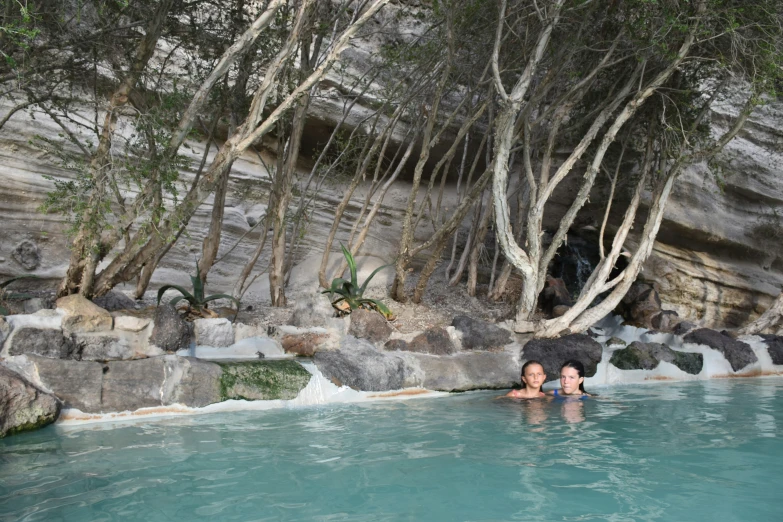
(370, 325)
(45, 342)
(480, 335)
(250, 348)
(434, 341)
(171, 332)
(77, 384)
(24, 407)
(5, 330)
(683, 328)
(358, 364)
(555, 294)
(130, 385)
(615, 341)
(647, 356)
(664, 321)
(552, 353)
(640, 304)
(104, 347)
(130, 323)
(304, 344)
(244, 331)
(313, 310)
(81, 315)
(738, 354)
(113, 301)
(463, 371)
(262, 380)
(396, 345)
(27, 254)
(191, 382)
(216, 332)
(35, 304)
(774, 347)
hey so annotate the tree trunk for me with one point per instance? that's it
(475, 251)
(128, 263)
(86, 248)
(768, 320)
(280, 198)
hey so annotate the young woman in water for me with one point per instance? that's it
(572, 378)
(533, 378)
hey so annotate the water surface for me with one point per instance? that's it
(706, 450)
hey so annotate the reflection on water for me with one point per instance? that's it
(572, 411)
(691, 451)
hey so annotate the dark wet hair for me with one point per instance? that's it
(524, 367)
(580, 369)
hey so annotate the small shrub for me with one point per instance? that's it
(352, 294)
(196, 300)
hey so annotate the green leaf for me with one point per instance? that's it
(367, 281)
(176, 300)
(338, 283)
(351, 265)
(187, 295)
(374, 303)
(17, 278)
(198, 286)
(215, 297)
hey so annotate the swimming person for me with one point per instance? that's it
(533, 378)
(572, 378)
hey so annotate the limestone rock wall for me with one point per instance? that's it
(718, 261)
(719, 255)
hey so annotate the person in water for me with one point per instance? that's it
(572, 378)
(533, 378)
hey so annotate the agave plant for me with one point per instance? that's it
(196, 300)
(351, 294)
(4, 296)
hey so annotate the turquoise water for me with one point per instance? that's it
(691, 451)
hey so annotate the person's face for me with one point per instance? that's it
(570, 380)
(534, 376)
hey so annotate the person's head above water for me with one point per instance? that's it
(572, 377)
(533, 374)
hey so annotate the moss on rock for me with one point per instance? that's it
(262, 380)
(688, 362)
(647, 356)
(632, 358)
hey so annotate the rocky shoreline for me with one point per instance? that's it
(82, 357)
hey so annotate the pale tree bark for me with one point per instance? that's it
(475, 251)
(355, 246)
(578, 321)
(100, 246)
(237, 95)
(504, 135)
(769, 320)
(533, 268)
(85, 251)
(127, 264)
(376, 145)
(280, 198)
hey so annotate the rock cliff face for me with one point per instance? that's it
(718, 261)
(719, 254)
